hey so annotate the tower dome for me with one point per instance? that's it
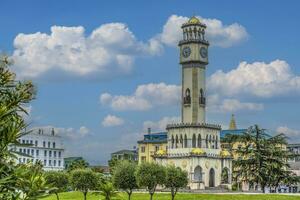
(194, 20)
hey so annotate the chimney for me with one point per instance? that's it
(149, 130)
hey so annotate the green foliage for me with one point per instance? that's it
(84, 180)
(14, 95)
(124, 177)
(31, 181)
(113, 163)
(176, 178)
(78, 164)
(107, 190)
(150, 175)
(262, 159)
(59, 180)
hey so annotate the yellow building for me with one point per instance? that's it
(153, 143)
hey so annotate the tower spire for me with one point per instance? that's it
(232, 124)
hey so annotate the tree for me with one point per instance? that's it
(107, 190)
(176, 178)
(150, 175)
(260, 156)
(113, 163)
(59, 180)
(78, 164)
(124, 177)
(14, 95)
(84, 180)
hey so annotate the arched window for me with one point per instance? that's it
(194, 141)
(181, 141)
(176, 142)
(187, 97)
(198, 174)
(201, 97)
(172, 140)
(206, 141)
(216, 146)
(199, 141)
(209, 141)
(225, 175)
(185, 141)
(213, 142)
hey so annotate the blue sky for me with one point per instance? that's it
(118, 60)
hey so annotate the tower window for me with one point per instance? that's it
(202, 97)
(194, 141)
(187, 97)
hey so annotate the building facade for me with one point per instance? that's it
(193, 144)
(152, 144)
(44, 145)
(125, 154)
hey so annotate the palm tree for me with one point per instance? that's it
(108, 191)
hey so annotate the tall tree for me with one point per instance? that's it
(59, 180)
(260, 156)
(14, 95)
(124, 177)
(150, 175)
(176, 178)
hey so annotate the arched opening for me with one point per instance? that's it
(206, 141)
(176, 142)
(209, 141)
(211, 177)
(185, 141)
(201, 97)
(172, 140)
(225, 175)
(198, 174)
(199, 141)
(194, 141)
(187, 97)
(213, 142)
(216, 146)
(181, 141)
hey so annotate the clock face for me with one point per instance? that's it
(186, 52)
(203, 52)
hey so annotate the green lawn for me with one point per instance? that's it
(165, 196)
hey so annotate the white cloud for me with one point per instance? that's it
(111, 120)
(292, 134)
(145, 97)
(161, 124)
(110, 48)
(217, 33)
(259, 79)
(224, 105)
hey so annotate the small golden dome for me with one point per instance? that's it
(161, 152)
(198, 151)
(194, 20)
(225, 153)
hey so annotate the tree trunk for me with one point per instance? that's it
(84, 195)
(129, 194)
(57, 197)
(151, 196)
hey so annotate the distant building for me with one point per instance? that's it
(125, 154)
(151, 144)
(69, 160)
(44, 145)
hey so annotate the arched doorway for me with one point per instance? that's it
(211, 177)
(198, 174)
(225, 176)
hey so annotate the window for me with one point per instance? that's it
(24, 160)
(24, 150)
(199, 141)
(59, 163)
(20, 150)
(32, 152)
(50, 153)
(44, 144)
(28, 151)
(143, 158)
(54, 152)
(143, 149)
(194, 141)
(53, 145)
(48, 144)
(37, 152)
(23, 141)
(45, 162)
(54, 163)
(36, 143)
(31, 142)
(59, 154)
(20, 160)
(50, 163)
(45, 153)
(156, 148)
(185, 141)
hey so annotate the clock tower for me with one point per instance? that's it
(193, 58)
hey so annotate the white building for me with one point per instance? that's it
(43, 145)
(193, 144)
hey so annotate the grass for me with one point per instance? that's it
(182, 196)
